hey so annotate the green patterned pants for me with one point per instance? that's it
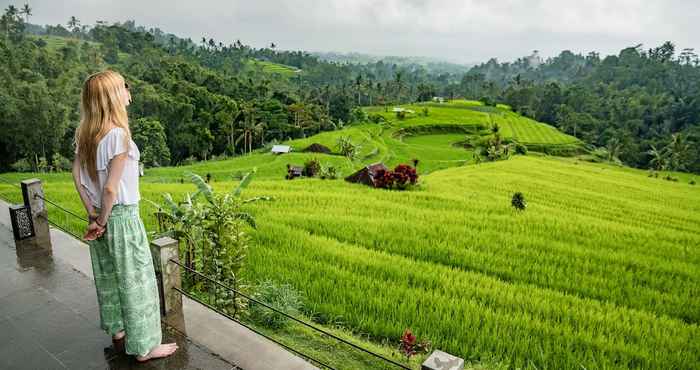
(125, 281)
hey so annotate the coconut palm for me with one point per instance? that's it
(677, 152)
(658, 160)
(27, 11)
(73, 23)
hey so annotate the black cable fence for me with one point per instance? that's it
(311, 326)
(297, 320)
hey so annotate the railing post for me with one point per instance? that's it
(30, 222)
(168, 275)
(33, 192)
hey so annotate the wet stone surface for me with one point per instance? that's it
(49, 319)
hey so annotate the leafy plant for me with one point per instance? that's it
(520, 149)
(61, 163)
(518, 201)
(400, 178)
(213, 234)
(312, 167)
(410, 346)
(376, 118)
(328, 172)
(280, 296)
(347, 147)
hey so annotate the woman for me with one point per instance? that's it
(105, 172)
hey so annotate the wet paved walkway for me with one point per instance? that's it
(49, 319)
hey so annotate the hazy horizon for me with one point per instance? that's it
(464, 32)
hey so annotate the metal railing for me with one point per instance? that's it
(236, 292)
(302, 322)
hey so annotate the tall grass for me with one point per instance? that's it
(601, 271)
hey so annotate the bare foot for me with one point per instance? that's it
(119, 335)
(162, 350)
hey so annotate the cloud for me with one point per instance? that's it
(458, 30)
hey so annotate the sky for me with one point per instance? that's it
(466, 31)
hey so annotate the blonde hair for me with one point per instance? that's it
(101, 106)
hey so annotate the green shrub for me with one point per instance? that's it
(376, 118)
(312, 167)
(61, 163)
(518, 201)
(280, 296)
(22, 165)
(358, 115)
(347, 148)
(520, 149)
(328, 172)
(188, 161)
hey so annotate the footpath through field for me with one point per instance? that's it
(49, 319)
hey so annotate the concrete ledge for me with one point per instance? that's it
(230, 340)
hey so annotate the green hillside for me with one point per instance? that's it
(602, 270)
(273, 68)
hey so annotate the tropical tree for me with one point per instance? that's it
(658, 160)
(27, 11)
(213, 235)
(677, 152)
(73, 24)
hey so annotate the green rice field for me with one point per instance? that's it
(601, 271)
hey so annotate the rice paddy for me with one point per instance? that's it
(601, 271)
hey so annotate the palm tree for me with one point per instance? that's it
(677, 151)
(399, 84)
(658, 159)
(11, 11)
(247, 126)
(614, 146)
(27, 11)
(259, 131)
(73, 23)
(358, 87)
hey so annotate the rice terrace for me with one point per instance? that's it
(478, 221)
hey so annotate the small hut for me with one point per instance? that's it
(317, 148)
(294, 171)
(367, 174)
(280, 149)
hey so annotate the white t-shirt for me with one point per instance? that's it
(109, 146)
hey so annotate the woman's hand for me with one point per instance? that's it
(94, 231)
(92, 216)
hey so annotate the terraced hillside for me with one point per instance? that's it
(535, 135)
(602, 270)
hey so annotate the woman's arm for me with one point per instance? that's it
(81, 190)
(111, 188)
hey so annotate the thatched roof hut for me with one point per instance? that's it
(317, 148)
(367, 174)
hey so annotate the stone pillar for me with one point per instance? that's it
(32, 190)
(168, 275)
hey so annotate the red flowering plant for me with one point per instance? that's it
(409, 345)
(400, 178)
(404, 175)
(383, 179)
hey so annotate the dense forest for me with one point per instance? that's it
(196, 100)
